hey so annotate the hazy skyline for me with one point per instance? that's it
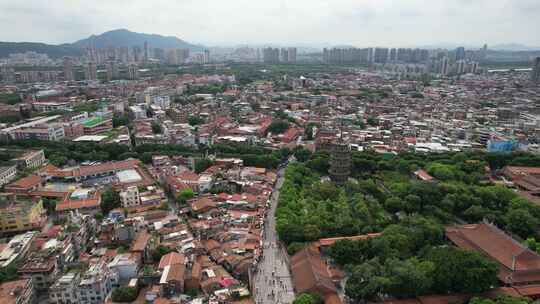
(215, 22)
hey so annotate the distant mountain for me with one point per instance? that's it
(54, 51)
(116, 38)
(125, 38)
(513, 47)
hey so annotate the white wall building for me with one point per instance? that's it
(130, 197)
(7, 174)
(96, 284)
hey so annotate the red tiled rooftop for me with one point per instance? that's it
(188, 176)
(330, 241)
(523, 170)
(496, 244)
(7, 295)
(26, 182)
(141, 241)
(171, 259)
(95, 169)
(518, 264)
(423, 175)
(78, 204)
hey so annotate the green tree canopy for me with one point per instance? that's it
(278, 126)
(110, 199)
(124, 294)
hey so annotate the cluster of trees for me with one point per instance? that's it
(185, 195)
(10, 98)
(278, 126)
(49, 204)
(59, 153)
(8, 273)
(146, 151)
(6, 156)
(159, 252)
(124, 294)
(308, 298)
(120, 120)
(501, 300)
(255, 156)
(310, 209)
(410, 259)
(461, 193)
(202, 164)
(86, 107)
(156, 128)
(441, 270)
(206, 89)
(110, 199)
(194, 120)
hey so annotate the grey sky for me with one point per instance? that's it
(356, 22)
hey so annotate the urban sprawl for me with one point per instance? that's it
(269, 175)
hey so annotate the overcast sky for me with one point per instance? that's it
(212, 22)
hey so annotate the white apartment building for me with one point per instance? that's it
(96, 284)
(126, 265)
(7, 174)
(64, 290)
(130, 197)
(31, 159)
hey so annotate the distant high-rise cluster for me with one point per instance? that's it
(206, 56)
(374, 55)
(288, 55)
(68, 69)
(91, 71)
(275, 55)
(346, 56)
(136, 54)
(458, 64)
(535, 74)
(460, 53)
(112, 70)
(133, 71)
(177, 56)
(407, 59)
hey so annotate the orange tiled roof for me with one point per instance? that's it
(141, 242)
(331, 241)
(517, 263)
(171, 259)
(26, 182)
(78, 204)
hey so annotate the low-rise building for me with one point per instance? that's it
(7, 174)
(16, 249)
(96, 284)
(20, 213)
(130, 197)
(64, 290)
(31, 159)
(50, 132)
(126, 265)
(25, 185)
(41, 269)
(97, 125)
(518, 265)
(84, 201)
(17, 292)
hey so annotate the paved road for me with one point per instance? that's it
(273, 282)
